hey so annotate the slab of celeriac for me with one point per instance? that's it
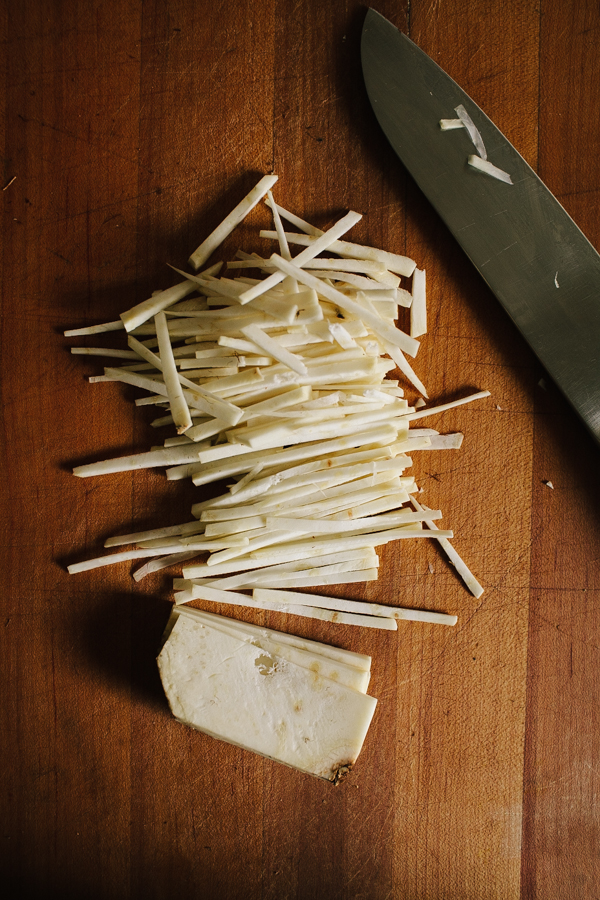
(300, 653)
(240, 693)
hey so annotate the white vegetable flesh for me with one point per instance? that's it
(262, 701)
(483, 165)
(480, 160)
(474, 134)
(281, 384)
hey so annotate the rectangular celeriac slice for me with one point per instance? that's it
(240, 693)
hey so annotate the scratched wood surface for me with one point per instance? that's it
(129, 128)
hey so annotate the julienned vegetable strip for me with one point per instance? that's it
(323, 242)
(216, 237)
(282, 384)
(474, 134)
(460, 566)
(486, 166)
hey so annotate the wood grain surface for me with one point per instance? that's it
(129, 128)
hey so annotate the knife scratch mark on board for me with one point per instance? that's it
(514, 243)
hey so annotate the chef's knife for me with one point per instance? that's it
(540, 266)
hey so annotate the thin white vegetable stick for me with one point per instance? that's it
(283, 244)
(199, 398)
(291, 580)
(279, 307)
(306, 227)
(353, 506)
(222, 451)
(152, 459)
(339, 618)
(212, 352)
(489, 169)
(241, 344)
(246, 479)
(210, 545)
(325, 554)
(95, 329)
(273, 348)
(314, 497)
(289, 284)
(374, 507)
(451, 124)
(322, 474)
(451, 441)
(223, 529)
(317, 246)
(235, 385)
(109, 560)
(140, 313)
(387, 309)
(393, 350)
(323, 400)
(344, 470)
(163, 562)
(216, 237)
(298, 549)
(250, 361)
(474, 133)
(341, 335)
(366, 266)
(115, 353)
(367, 370)
(375, 323)
(351, 280)
(418, 309)
(367, 525)
(194, 527)
(326, 562)
(403, 298)
(192, 305)
(421, 413)
(334, 603)
(311, 416)
(335, 526)
(257, 577)
(295, 579)
(295, 475)
(202, 592)
(178, 473)
(217, 372)
(352, 575)
(258, 539)
(401, 265)
(456, 560)
(141, 350)
(315, 426)
(283, 436)
(210, 362)
(288, 397)
(379, 435)
(179, 408)
(204, 430)
(178, 440)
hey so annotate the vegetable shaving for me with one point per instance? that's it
(479, 161)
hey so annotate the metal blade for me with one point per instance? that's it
(538, 263)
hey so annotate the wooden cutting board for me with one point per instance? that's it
(130, 129)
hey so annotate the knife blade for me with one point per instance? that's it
(533, 256)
